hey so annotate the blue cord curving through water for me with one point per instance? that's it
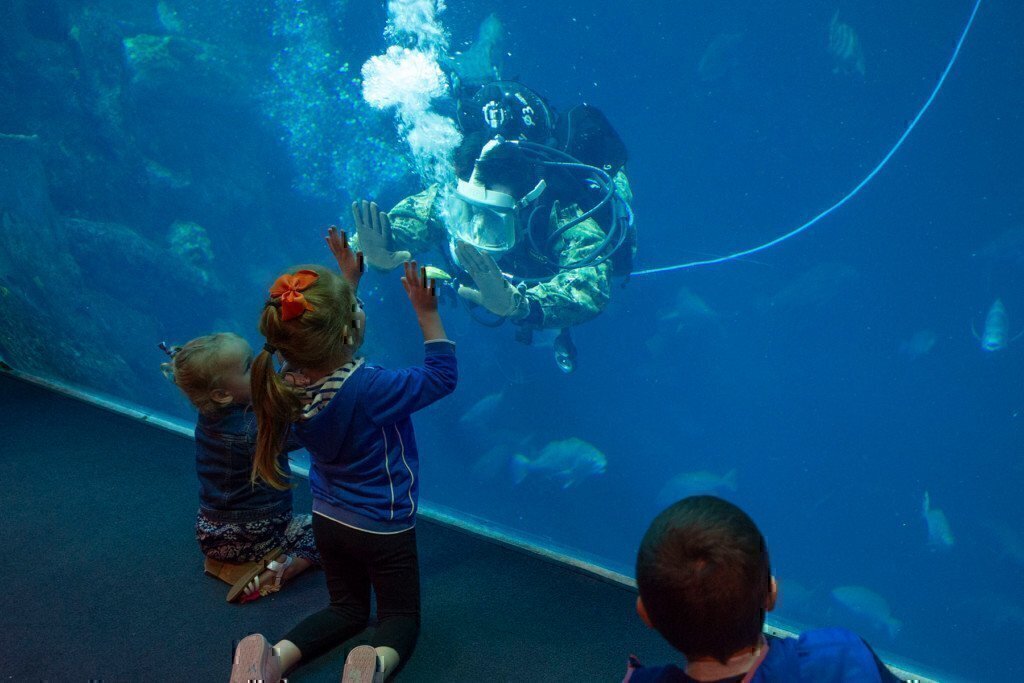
(849, 195)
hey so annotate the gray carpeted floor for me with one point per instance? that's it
(103, 578)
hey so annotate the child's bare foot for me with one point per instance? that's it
(274, 576)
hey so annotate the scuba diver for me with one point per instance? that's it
(539, 219)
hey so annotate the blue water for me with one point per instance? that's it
(836, 373)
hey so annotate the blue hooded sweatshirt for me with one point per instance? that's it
(364, 469)
(827, 655)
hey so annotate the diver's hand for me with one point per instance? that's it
(373, 228)
(493, 291)
(349, 263)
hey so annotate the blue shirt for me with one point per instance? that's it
(364, 466)
(828, 655)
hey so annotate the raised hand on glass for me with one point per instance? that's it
(422, 290)
(350, 263)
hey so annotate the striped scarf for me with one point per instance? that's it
(318, 395)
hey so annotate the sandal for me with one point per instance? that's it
(228, 572)
(253, 570)
(253, 590)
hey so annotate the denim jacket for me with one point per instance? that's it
(225, 446)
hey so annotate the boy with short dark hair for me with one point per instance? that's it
(705, 585)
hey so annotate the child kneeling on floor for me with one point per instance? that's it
(247, 532)
(705, 584)
(355, 420)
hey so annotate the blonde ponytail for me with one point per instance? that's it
(312, 339)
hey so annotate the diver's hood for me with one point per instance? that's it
(486, 218)
(509, 109)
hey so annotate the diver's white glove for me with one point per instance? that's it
(373, 229)
(493, 291)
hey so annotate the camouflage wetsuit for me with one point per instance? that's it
(568, 298)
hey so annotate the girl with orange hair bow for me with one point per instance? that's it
(355, 420)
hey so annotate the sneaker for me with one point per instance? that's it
(361, 666)
(255, 662)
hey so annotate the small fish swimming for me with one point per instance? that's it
(481, 63)
(565, 351)
(435, 273)
(815, 287)
(689, 484)
(689, 306)
(567, 462)
(940, 536)
(720, 58)
(995, 335)
(868, 604)
(483, 409)
(1006, 247)
(919, 344)
(844, 45)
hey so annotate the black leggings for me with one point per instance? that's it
(353, 561)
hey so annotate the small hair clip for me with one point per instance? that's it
(270, 348)
(171, 351)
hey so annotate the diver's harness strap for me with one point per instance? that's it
(622, 214)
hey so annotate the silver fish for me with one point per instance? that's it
(483, 409)
(844, 45)
(996, 334)
(940, 536)
(566, 461)
(689, 484)
(869, 605)
(919, 344)
(481, 63)
(720, 58)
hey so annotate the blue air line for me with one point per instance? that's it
(851, 193)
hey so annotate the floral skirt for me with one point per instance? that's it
(251, 541)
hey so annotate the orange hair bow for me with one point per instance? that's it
(289, 288)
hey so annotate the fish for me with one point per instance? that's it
(815, 287)
(1007, 246)
(919, 344)
(688, 306)
(689, 484)
(996, 610)
(483, 409)
(435, 273)
(561, 344)
(995, 335)
(169, 19)
(565, 351)
(481, 63)
(794, 596)
(566, 461)
(720, 58)
(844, 46)
(940, 536)
(491, 464)
(869, 605)
(1007, 542)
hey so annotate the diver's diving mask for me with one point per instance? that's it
(485, 218)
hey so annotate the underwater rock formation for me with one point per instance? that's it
(181, 68)
(190, 242)
(125, 113)
(123, 263)
(46, 326)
